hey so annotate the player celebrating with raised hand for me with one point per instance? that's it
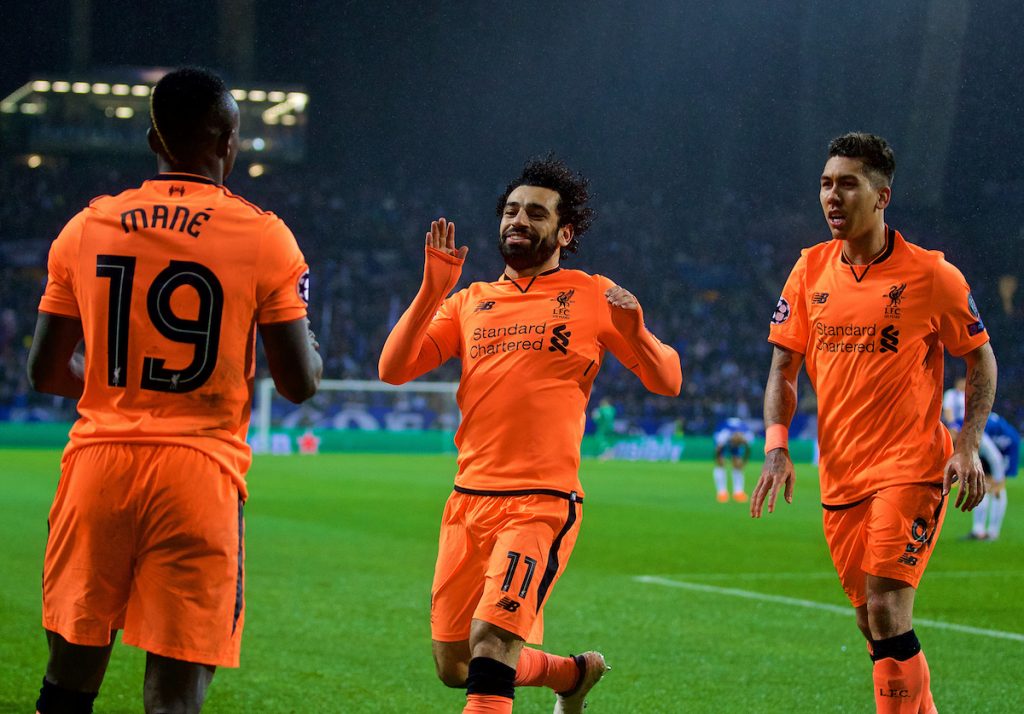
(531, 344)
(167, 284)
(870, 314)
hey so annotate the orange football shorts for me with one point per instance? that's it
(498, 558)
(148, 539)
(890, 534)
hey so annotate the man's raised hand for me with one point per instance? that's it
(442, 237)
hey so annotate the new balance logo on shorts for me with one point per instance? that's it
(507, 603)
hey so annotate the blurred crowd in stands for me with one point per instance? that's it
(708, 277)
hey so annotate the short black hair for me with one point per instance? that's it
(872, 150)
(186, 109)
(551, 172)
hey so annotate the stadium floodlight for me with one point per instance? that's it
(256, 170)
(41, 85)
(101, 88)
(31, 108)
(34, 161)
(258, 144)
(80, 87)
(124, 112)
(276, 96)
(354, 392)
(61, 87)
(140, 90)
(239, 94)
(121, 90)
(257, 95)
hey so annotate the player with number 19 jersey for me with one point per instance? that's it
(169, 281)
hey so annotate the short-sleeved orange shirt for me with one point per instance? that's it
(872, 339)
(170, 280)
(530, 351)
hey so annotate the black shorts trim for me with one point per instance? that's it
(551, 569)
(572, 496)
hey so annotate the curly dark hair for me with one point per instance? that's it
(873, 150)
(552, 173)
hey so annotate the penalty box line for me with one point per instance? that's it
(813, 605)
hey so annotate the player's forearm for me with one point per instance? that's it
(67, 382)
(979, 396)
(780, 395)
(658, 367)
(406, 354)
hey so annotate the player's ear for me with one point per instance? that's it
(565, 235)
(154, 142)
(224, 144)
(884, 196)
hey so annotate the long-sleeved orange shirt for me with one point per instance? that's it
(530, 350)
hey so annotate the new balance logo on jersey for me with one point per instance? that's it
(890, 339)
(484, 305)
(819, 298)
(507, 603)
(559, 339)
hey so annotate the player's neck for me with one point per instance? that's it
(866, 248)
(547, 265)
(211, 170)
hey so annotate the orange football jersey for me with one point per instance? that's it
(530, 350)
(170, 280)
(872, 339)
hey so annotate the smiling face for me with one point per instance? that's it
(852, 199)
(529, 235)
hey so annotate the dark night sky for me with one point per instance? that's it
(679, 97)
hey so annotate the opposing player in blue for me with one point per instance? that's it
(1000, 459)
(732, 441)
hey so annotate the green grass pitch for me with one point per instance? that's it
(340, 555)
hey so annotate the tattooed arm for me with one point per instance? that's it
(965, 466)
(779, 408)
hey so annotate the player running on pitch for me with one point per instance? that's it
(531, 344)
(732, 441)
(166, 283)
(870, 315)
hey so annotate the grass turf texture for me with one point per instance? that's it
(340, 556)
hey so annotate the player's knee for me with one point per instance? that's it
(490, 677)
(55, 699)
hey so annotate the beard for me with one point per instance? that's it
(523, 256)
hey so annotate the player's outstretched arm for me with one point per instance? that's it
(965, 465)
(53, 366)
(407, 354)
(779, 408)
(658, 364)
(293, 357)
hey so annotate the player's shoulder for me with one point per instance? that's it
(245, 207)
(820, 254)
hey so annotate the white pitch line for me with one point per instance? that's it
(811, 604)
(831, 575)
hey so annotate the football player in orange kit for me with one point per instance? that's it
(167, 285)
(531, 343)
(870, 315)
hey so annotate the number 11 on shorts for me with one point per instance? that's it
(513, 563)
